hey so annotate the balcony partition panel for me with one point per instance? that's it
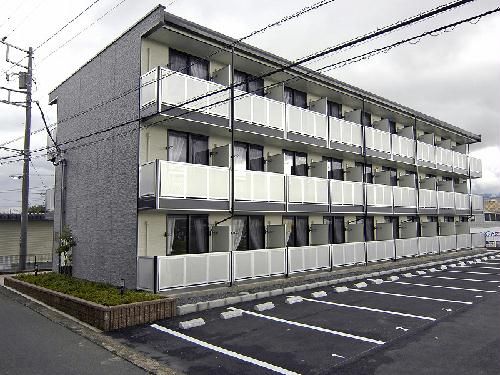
(252, 264)
(379, 250)
(404, 196)
(149, 88)
(378, 140)
(184, 180)
(346, 193)
(259, 110)
(147, 179)
(406, 247)
(305, 122)
(307, 258)
(302, 189)
(379, 195)
(403, 146)
(177, 88)
(345, 132)
(259, 186)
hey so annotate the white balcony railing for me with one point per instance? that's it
(259, 186)
(346, 193)
(379, 195)
(426, 152)
(464, 241)
(184, 180)
(461, 201)
(478, 240)
(345, 132)
(404, 196)
(427, 198)
(428, 245)
(459, 161)
(379, 250)
(308, 258)
(444, 157)
(476, 169)
(378, 140)
(178, 88)
(259, 110)
(446, 199)
(303, 121)
(403, 146)
(447, 243)
(303, 189)
(348, 253)
(477, 202)
(252, 264)
(406, 247)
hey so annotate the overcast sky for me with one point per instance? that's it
(454, 76)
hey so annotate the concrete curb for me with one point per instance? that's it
(200, 306)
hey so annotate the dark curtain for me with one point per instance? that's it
(198, 234)
(256, 158)
(240, 80)
(336, 172)
(198, 68)
(366, 118)
(299, 99)
(255, 86)
(178, 61)
(368, 174)
(290, 230)
(329, 221)
(300, 164)
(334, 109)
(369, 229)
(256, 232)
(301, 231)
(288, 95)
(338, 229)
(392, 127)
(177, 146)
(199, 149)
(177, 234)
(240, 156)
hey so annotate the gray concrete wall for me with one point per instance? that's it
(101, 170)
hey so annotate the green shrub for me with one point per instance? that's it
(103, 294)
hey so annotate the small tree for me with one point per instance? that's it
(36, 209)
(66, 243)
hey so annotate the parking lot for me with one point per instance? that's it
(325, 332)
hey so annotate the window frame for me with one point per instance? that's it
(189, 148)
(191, 59)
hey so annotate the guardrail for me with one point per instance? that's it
(459, 161)
(447, 243)
(346, 193)
(426, 152)
(477, 202)
(302, 189)
(308, 258)
(259, 186)
(348, 253)
(345, 132)
(446, 199)
(10, 263)
(379, 195)
(303, 121)
(461, 201)
(428, 245)
(406, 247)
(476, 168)
(464, 241)
(444, 157)
(378, 140)
(403, 146)
(259, 110)
(404, 196)
(427, 198)
(380, 250)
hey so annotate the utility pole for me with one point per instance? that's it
(25, 84)
(23, 246)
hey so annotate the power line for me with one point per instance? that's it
(67, 24)
(26, 17)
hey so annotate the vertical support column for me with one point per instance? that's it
(470, 191)
(231, 123)
(155, 275)
(365, 199)
(417, 179)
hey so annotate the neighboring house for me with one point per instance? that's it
(325, 173)
(40, 232)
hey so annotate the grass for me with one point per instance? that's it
(103, 294)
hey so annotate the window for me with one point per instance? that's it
(366, 118)
(297, 230)
(370, 232)
(249, 83)
(187, 147)
(449, 219)
(188, 64)
(392, 127)
(335, 170)
(393, 175)
(433, 219)
(336, 230)
(334, 109)
(248, 232)
(295, 163)
(187, 234)
(368, 177)
(394, 220)
(465, 219)
(295, 97)
(248, 157)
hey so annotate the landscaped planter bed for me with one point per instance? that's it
(106, 318)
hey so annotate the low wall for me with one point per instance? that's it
(106, 318)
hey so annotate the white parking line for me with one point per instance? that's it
(411, 296)
(459, 278)
(229, 353)
(490, 268)
(446, 287)
(476, 273)
(371, 309)
(490, 263)
(315, 328)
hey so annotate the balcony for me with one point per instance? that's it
(379, 196)
(378, 141)
(461, 202)
(448, 243)
(426, 154)
(379, 250)
(306, 123)
(444, 159)
(346, 134)
(476, 169)
(404, 197)
(427, 199)
(406, 247)
(346, 193)
(259, 110)
(446, 200)
(262, 187)
(403, 147)
(477, 203)
(305, 191)
(459, 163)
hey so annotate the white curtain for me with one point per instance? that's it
(170, 234)
(177, 147)
(238, 224)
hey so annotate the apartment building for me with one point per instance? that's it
(183, 183)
